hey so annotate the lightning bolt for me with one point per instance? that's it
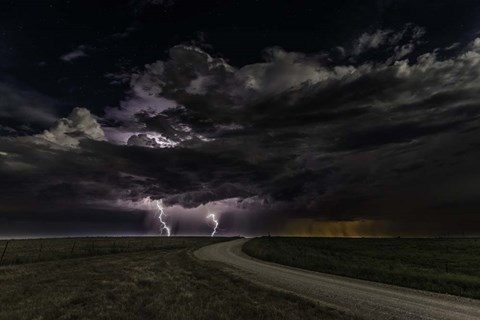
(163, 226)
(215, 223)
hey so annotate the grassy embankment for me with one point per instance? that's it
(133, 278)
(441, 265)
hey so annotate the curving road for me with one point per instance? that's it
(366, 299)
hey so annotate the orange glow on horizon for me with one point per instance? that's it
(305, 227)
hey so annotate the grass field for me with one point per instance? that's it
(28, 251)
(133, 278)
(440, 265)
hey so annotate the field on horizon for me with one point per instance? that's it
(440, 265)
(20, 251)
(134, 278)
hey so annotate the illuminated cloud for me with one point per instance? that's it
(67, 132)
(79, 52)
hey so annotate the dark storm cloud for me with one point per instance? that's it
(327, 138)
(297, 134)
(80, 169)
(291, 89)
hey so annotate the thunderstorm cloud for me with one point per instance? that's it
(380, 127)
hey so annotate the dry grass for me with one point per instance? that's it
(28, 251)
(157, 284)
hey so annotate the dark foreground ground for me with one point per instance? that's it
(125, 278)
(439, 265)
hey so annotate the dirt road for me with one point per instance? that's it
(366, 299)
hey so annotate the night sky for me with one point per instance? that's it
(321, 118)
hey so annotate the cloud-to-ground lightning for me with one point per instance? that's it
(215, 223)
(161, 216)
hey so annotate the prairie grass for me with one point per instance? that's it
(35, 250)
(159, 281)
(440, 265)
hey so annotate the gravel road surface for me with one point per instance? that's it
(369, 300)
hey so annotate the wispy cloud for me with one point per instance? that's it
(79, 52)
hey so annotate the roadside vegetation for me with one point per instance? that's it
(440, 265)
(28, 251)
(141, 280)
